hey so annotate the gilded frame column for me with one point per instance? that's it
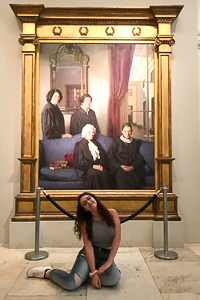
(30, 45)
(163, 155)
(28, 123)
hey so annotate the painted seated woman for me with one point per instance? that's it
(125, 160)
(90, 160)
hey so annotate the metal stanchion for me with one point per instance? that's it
(165, 254)
(37, 255)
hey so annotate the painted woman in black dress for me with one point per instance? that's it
(125, 160)
(52, 120)
(84, 115)
(90, 160)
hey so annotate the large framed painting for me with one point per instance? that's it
(119, 58)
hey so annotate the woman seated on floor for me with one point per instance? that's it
(100, 230)
(90, 160)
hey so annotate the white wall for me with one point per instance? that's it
(199, 61)
(185, 121)
(185, 109)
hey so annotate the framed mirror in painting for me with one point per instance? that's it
(121, 60)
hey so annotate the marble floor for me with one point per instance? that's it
(144, 277)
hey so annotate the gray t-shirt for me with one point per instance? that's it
(102, 234)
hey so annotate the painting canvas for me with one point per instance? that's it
(119, 79)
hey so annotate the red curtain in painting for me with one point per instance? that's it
(121, 60)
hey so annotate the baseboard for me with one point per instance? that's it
(137, 233)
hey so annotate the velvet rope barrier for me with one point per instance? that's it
(142, 208)
(122, 221)
(58, 206)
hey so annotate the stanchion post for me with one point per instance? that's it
(165, 222)
(37, 221)
(165, 254)
(37, 255)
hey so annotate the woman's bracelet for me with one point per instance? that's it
(93, 273)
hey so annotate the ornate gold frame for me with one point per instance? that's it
(64, 24)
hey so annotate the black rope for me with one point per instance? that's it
(58, 206)
(142, 208)
(122, 221)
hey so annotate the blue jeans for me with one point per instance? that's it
(80, 271)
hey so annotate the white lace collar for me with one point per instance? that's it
(128, 141)
(94, 150)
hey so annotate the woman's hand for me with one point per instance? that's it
(104, 267)
(98, 167)
(127, 168)
(66, 135)
(96, 282)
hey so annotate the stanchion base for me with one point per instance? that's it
(33, 256)
(169, 255)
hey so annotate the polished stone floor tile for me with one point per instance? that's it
(66, 297)
(177, 296)
(184, 254)
(136, 281)
(144, 277)
(128, 250)
(12, 263)
(196, 249)
(190, 245)
(42, 287)
(170, 277)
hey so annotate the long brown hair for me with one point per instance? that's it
(85, 216)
